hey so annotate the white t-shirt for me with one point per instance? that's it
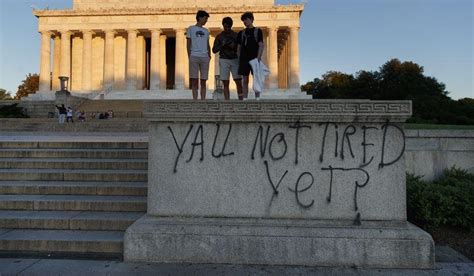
(199, 39)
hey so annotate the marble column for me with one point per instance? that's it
(211, 83)
(45, 63)
(132, 60)
(162, 62)
(141, 59)
(186, 65)
(109, 60)
(56, 62)
(180, 56)
(65, 66)
(87, 60)
(273, 57)
(266, 55)
(155, 65)
(294, 58)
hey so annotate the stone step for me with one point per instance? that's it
(90, 125)
(73, 145)
(74, 153)
(73, 163)
(73, 203)
(68, 220)
(74, 175)
(73, 188)
(56, 242)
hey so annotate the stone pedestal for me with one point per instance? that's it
(62, 97)
(285, 182)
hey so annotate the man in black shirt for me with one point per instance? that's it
(226, 44)
(250, 46)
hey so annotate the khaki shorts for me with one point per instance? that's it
(228, 66)
(199, 66)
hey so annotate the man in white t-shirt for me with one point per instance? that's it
(199, 54)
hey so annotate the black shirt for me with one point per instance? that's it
(248, 44)
(226, 45)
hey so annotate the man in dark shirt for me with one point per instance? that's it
(226, 45)
(251, 46)
(62, 113)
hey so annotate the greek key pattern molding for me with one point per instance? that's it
(279, 107)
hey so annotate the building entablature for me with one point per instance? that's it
(163, 21)
(168, 11)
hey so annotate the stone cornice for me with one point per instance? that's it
(278, 111)
(161, 11)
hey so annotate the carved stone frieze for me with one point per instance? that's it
(285, 110)
(147, 11)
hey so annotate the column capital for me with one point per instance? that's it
(110, 31)
(156, 31)
(294, 28)
(48, 32)
(273, 28)
(132, 31)
(87, 31)
(65, 32)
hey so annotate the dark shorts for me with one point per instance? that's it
(245, 68)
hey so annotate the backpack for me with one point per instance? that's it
(255, 35)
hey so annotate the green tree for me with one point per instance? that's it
(4, 95)
(396, 80)
(28, 86)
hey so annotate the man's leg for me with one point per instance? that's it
(204, 70)
(238, 84)
(194, 75)
(203, 89)
(245, 86)
(226, 89)
(224, 72)
(194, 88)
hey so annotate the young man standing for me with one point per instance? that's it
(199, 54)
(226, 45)
(250, 46)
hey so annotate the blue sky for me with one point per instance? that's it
(340, 35)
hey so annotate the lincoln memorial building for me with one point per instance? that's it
(130, 45)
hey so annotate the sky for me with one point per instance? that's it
(336, 35)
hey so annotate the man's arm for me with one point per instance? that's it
(261, 47)
(238, 43)
(208, 49)
(217, 45)
(188, 46)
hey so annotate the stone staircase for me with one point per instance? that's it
(70, 199)
(90, 125)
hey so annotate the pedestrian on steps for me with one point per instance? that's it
(69, 115)
(62, 113)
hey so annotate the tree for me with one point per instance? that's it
(4, 95)
(28, 86)
(396, 80)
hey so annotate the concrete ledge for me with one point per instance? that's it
(278, 242)
(278, 111)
